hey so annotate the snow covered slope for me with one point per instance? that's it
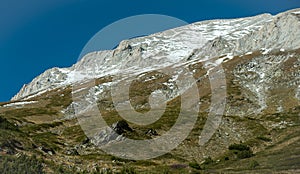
(198, 41)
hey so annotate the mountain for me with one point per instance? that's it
(240, 76)
(218, 37)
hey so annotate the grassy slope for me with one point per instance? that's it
(40, 125)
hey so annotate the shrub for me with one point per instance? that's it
(195, 165)
(239, 147)
(253, 164)
(241, 150)
(4, 124)
(244, 154)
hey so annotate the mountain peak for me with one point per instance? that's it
(195, 41)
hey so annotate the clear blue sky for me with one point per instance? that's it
(36, 35)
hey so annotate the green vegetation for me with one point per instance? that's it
(74, 134)
(20, 165)
(128, 170)
(4, 124)
(47, 140)
(253, 164)
(264, 138)
(33, 128)
(24, 112)
(60, 98)
(239, 147)
(195, 165)
(241, 151)
(41, 129)
(244, 154)
(208, 161)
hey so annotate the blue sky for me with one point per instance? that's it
(36, 35)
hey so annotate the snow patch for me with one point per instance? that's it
(37, 94)
(19, 103)
(296, 12)
(265, 51)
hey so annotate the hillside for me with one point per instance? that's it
(232, 85)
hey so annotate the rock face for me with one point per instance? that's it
(50, 79)
(197, 41)
(265, 74)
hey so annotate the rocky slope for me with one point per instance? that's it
(201, 40)
(248, 69)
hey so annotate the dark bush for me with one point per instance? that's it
(5, 124)
(241, 150)
(195, 165)
(239, 147)
(244, 154)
